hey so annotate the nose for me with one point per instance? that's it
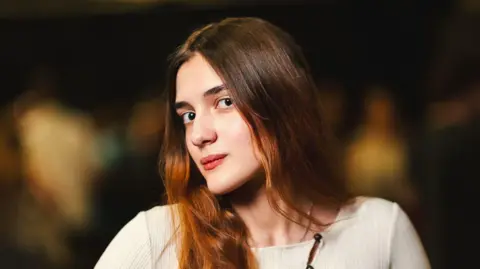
(203, 131)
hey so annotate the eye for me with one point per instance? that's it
(188, 117)
(225, 103)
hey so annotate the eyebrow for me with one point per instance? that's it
(212, 91)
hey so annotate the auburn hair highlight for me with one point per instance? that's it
(271, 84)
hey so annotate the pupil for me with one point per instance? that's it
(191, 116)
(228, 102)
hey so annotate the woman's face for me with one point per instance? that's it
(217, 137)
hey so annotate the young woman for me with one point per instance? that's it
(250, 171)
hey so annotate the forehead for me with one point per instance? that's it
(194, 77)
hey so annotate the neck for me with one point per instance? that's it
(266, 226)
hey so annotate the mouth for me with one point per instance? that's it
(212, 161)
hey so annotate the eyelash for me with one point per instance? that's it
(216, 106)
(223, 99)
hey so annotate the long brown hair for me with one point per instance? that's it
(270, 81)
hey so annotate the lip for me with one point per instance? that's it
(212, 161)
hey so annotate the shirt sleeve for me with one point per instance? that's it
(130, 249)
(406, 248)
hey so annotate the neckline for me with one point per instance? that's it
(339, 217)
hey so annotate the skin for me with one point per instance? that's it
(214, 126)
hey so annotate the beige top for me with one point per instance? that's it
(372, 233)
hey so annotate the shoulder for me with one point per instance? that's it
(390, 233)
(374, 233)
(372, 209)
(381, 219)
(160, 216)
(372, 217)
(160, 225)
(148, 232)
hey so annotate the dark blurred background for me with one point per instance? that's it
(81, 113)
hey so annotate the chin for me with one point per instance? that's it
(220, 190)
(217, 187)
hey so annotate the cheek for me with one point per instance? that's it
(240, 137)
(241, 133)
